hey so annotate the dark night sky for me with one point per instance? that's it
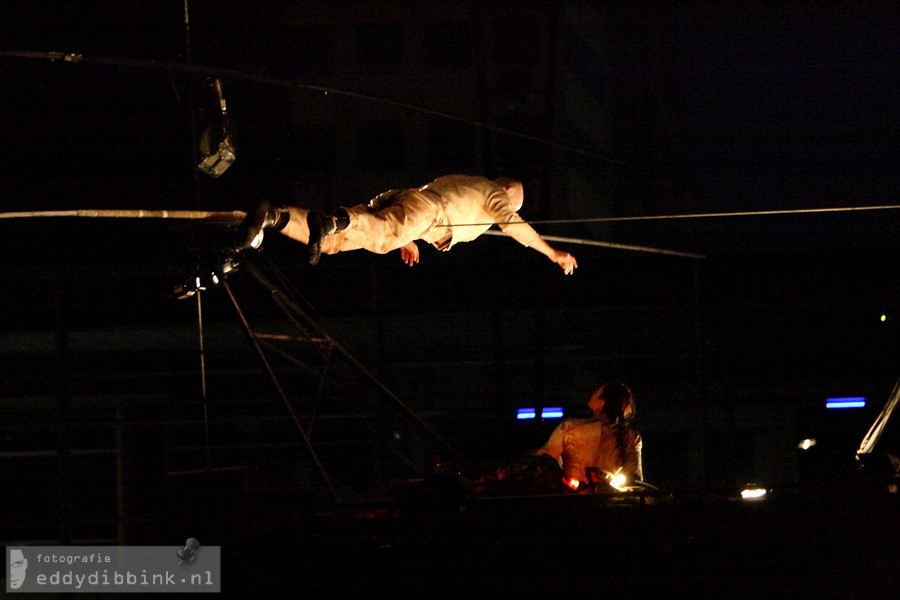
(771, 108)
(793, 107)
(749, 109)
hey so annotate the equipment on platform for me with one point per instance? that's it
(216, 160)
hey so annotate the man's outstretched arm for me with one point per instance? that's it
(565, 260)
(515, 227)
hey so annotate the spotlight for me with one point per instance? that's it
(216, 161)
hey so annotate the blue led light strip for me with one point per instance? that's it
(850, 402)
(549, 412)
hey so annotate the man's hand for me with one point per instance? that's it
(566, 262)
(410, 253)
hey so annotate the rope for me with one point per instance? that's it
(583, 242)
(207, 71)
(747, 213)
(226, 216)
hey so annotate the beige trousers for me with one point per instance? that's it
(412, 215)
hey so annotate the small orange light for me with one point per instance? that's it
(573, 483)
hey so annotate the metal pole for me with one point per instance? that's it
(268, 367)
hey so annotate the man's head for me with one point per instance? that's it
(17, 566)
(515, 191)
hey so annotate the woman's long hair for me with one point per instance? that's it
(618, 406)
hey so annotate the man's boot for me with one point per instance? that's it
(264, 216)
(320, 227)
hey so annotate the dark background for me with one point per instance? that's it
(605, 113)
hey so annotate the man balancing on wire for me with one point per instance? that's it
(449, 210)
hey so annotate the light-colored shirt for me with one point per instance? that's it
(449, 210)
(580, 444)
(471, 205)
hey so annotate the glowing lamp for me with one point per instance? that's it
(751, 493)
(619, 482)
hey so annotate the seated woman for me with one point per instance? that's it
(602, 450)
